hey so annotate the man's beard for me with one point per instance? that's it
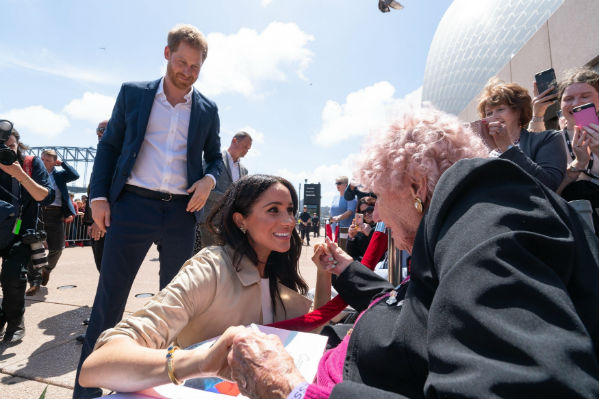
(173, 78)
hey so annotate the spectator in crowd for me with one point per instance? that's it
(24, 190)
(233, 171)
(360, 233)
(93, 230)
(341, 210)
(502, 299)
(54, 216)
(253, 277)
(507, 110)
(305, 225)
(316, 224)
(148, 179)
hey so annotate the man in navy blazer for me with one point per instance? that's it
(148, 181)
(53, 217)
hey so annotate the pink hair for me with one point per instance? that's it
(422, 142)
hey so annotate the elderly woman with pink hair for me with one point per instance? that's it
(502, 300)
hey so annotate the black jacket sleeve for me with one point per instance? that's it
(358, 285)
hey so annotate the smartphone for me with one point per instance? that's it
(481, 129)
(585, 114)
(358, 219)
(545, 80)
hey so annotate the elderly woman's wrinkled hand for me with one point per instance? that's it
(338, 258)
(261, 366)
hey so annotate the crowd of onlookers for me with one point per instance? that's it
(500, 300)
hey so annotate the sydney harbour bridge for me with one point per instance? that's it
(80, 158)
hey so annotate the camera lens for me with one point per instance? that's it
(38, 255)
(7, 156)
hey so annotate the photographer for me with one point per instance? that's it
(23, 190)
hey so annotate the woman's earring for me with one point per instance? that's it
(419, 204)
(243, 230)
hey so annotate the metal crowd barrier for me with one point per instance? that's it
(76, 232)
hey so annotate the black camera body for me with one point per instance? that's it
(7, 156)
(35, 239)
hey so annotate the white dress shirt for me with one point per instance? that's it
(57, 193)
(234, 167)
(162, 160)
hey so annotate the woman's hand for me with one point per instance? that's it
(581, 144)
(353, 230)
(592, 132)
(214, 359)
(322, 257)
(542, 101)
(499, 135)
(261, 366)
(365, 229)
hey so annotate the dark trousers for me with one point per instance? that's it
(316, 231)
(305, 231)
(98, 249)
(13, 280)
(136, 223)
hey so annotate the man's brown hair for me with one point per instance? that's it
(189, 34)
(51, 153)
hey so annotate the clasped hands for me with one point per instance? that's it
(258, 362)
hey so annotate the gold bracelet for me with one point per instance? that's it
(171, 366)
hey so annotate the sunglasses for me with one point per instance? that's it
(100, 130)
(368, 210)
(339, 183)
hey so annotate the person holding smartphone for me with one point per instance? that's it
(506, 110)
(577, 87)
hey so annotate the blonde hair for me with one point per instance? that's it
(189, 34)
(51, 153)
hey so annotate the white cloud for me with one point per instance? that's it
(37, 120)
(325, 174)
(264, 3)
(364, 111)
(243, 61)
(92, 107)
(49, 63)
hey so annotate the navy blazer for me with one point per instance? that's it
(121, 142)
(61, 178)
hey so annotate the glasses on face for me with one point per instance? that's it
(368, 210)
(100, 130)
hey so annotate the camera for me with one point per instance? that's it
(7, 156)
(35, 240)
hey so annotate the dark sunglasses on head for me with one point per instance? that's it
(339, 183)
(100, 130)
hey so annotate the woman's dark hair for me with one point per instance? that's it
(21, 147)
(241, 197)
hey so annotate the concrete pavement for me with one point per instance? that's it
(49, 353)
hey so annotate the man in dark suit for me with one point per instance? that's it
(234, 170)
(53, 217)
(148, 180)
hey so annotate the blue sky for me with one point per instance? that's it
(308, 79)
